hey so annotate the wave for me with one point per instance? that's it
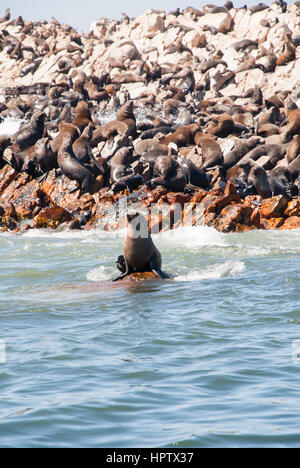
(227, 269)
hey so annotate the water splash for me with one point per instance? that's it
(10, 126)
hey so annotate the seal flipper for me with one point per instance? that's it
(156, 269)
(123, 267)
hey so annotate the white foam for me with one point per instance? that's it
(9, 126)
(227, 269)
(99, 274)
(192, 237)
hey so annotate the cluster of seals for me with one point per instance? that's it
(135, 117)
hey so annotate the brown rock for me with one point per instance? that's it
(135, 277)
(155, 195)
(7, 175)
(273, 223)
(291, 223)
(52, 217)
(215, 203)
(293, 208)
(180, 198)
(274, 207)
(233, 215)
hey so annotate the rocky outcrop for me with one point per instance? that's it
(215, 92)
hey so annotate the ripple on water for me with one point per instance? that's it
(204, 360)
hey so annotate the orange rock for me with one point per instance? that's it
(180, 198)
(155, 195)
(233, 215)
(273, 223)
(198, 196)
(293, 208)
(215, 203)
(274, 207)
(52, 217)
(134, 277)
(291, 223)
(7, 175)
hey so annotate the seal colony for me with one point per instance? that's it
(197, 107)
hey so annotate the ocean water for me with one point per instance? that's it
(208, 359)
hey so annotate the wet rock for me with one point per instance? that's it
(52, 217)
(291, 223)
(274, 207)
(232, 217)
(272, 223)
(293, 208)
(136, 277)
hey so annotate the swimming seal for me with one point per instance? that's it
(140, 253)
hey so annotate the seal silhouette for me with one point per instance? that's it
(139, 253)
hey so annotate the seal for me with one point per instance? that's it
(289, 51)
(30, 133)
(281, 182)
(71, 167)
(82, 150)
(168, 173)
(109, 130)
(234, 156)
(293, 149)
(126, 115)
(65, 129)
(211, 152)
(139, 253)
(95, 91)
(293, 126)
(195, 177)
(224, 127)
(5, 142)
(121, 173)
(183, 136)
(82, 116)
(45, 158)
(259, 178)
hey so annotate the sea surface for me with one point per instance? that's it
(210, 358)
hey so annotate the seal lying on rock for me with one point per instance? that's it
(140, 253)
(168, 173)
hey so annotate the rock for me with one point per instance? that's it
(291, 223)
(52, 217)
(153, 24)
(215, 201)
(274, 207)
(232, 217)
(293, 208)
(178, 198)
(135, 277)
(272, 223)
(120, 52)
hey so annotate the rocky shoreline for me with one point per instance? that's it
(195, 111)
